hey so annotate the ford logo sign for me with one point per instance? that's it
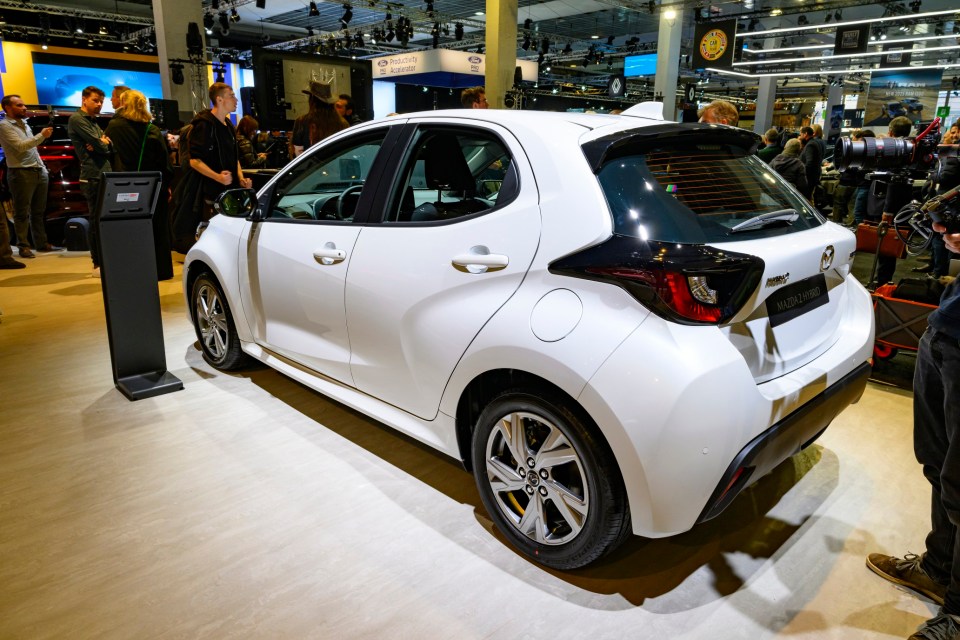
(475, 59)
(382, 63)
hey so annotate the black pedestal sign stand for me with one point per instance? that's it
(129, 277)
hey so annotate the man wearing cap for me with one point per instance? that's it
(213, 147)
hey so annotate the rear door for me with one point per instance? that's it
(461, 226)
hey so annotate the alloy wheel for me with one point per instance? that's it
(537, 478)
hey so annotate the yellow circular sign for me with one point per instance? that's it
(713, 44)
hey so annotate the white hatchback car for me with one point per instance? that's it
(617, 323)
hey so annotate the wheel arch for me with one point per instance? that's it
(487, 385)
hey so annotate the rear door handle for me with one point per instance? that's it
(480, 260)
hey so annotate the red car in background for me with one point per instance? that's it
(64, 198)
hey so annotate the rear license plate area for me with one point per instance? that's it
(796, 299)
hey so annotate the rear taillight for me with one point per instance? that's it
(691, 284)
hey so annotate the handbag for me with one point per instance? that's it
(891, 247)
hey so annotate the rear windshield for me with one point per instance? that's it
(698, 193)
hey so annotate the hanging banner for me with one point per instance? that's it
(902, 93)
(616, 86)
(714, 44)
(852, 39)
(895, 55)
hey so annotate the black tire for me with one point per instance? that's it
(581, 506)
(214, 325)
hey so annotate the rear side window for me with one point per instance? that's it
(699, 193)
(453, 173)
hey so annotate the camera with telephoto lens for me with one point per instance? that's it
(902, 156)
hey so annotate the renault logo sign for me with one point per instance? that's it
(826, 260)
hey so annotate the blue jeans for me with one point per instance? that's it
(28, 188)
(936, 443)
(860, 204)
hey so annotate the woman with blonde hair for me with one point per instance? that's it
(139, 145)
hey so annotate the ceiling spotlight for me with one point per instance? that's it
(224, 21)
(261, 4)
(309, 32)
(828, 17)
(234, 16)
(358, 39)
(568, 48)
(43, 42)
(347, 16)
(103, 30)
(545, 46)
(390, 35)
(528, 23)
(652, 6)
(610, 40)
(838, 16)
(479, 48)
(208, 23)
(314, 11)
(79, 25)
(938, 30)
(429, 7)
(458, 31)
(802, 20)
(526, 42)
(915, 6)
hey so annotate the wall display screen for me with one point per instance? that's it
(642, 65)
(62, 79)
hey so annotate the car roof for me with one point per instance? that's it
(534, 119)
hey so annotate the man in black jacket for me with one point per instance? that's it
(899, 193)
(811, 157)
(93, 150)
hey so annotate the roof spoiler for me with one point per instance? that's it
(649, 109)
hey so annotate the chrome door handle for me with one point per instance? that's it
(329, 255)
(477, 262)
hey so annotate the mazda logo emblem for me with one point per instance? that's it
(826, 260)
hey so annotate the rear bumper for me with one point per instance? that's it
(784, 439)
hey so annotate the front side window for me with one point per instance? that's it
(699, 193)
(451, 173)
(326, 186)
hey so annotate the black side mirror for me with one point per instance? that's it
(237, 203)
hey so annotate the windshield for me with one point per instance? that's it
(700, 193)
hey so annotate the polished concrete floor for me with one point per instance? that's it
(247, 506)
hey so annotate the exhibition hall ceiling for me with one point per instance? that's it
(581, 41)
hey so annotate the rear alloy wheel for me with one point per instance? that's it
(214, 324)
(549, 483)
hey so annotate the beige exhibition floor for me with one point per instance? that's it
(247, 506)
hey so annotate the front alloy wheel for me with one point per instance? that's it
(548, 482)
(214, 325)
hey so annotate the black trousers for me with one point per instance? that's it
(936, 443)
(91, 193)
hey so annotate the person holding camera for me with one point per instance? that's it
(899, 194)
(948, 177)
(936, 444)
